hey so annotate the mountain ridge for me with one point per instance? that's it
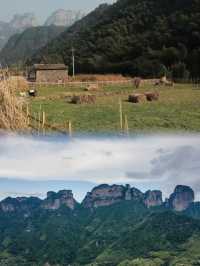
(21, 45)
(106, 195)
(57, 231)
(21, 22)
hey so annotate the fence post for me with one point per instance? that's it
(27, 115)
(43, 122)
(126, 126)
(39, 119)
(70, 128)
(121, 114)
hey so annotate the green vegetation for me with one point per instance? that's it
(176, 110)
(124, 234)
(141, 37)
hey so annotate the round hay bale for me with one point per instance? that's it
(83, 99)
(152, 96)
(136, 98)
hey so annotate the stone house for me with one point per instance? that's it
(49, 73)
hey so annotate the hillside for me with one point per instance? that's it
(20, 46)
(10, 31)
(114, 225)
(147, 38)
(17, 24)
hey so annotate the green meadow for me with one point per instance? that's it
(178, 109)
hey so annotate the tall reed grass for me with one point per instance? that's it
(12, 115)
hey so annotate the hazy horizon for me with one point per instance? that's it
(42, 9)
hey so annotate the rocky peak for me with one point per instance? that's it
(104, 195)
(153, 198)
(181, 198)
(63, 17)
(55, 200)
(24, 21)
(19, 204)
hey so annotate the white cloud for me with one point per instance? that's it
(145, 161)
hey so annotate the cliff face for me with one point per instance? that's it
(153, 198)
(24, 21)
(181, 199)
(63, 17)
(19, 204)
(106, 195)
(55, 200)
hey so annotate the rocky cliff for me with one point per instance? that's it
(153, 198)
(181, 198)
(63, 17)
(19, 204)
(23, 21)
(55, 200)
(105, 195)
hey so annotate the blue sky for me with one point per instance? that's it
(43, 8)
(31, 166)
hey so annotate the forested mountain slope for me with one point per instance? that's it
(21, 46)
(138, 37)
(114, 225)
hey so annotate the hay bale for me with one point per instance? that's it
(83, 99)
(152, 96)
(136, 98)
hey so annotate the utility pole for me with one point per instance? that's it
(73, 62)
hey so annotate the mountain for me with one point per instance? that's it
(23, 38)
(114, 225)
(22, 45)
(21, 22)
(63, 17)
(142, 37)
(17, 24)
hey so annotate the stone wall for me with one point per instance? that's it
(52, 76)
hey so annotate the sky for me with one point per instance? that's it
(31, 166)
(43, 8)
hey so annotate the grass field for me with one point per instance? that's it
(178, 109)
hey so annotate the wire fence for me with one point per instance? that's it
(84, 84)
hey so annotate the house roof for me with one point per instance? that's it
(50, 67)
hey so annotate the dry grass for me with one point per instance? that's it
(12, 116)
(19, 83)
(93, 78)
